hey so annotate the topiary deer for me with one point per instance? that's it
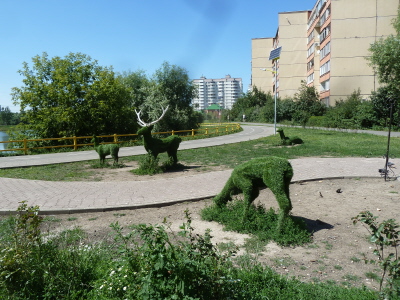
(288, 141)
(104, 150)
(155, 146)
(272, 172)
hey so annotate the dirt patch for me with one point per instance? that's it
(327, 207)
(124, 173)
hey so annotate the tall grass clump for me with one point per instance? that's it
(33, 267)
(261, 222)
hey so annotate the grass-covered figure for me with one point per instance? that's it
(272, 172)
(104, 150)
(287, 140)
(156, 146)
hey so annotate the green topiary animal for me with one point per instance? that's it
(272, 172)
(289, 141)
(104, 150)
(156, 146)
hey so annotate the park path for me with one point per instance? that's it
(75, 197)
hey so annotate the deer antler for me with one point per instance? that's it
(144, 124)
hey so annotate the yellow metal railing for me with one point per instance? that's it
(205, 129)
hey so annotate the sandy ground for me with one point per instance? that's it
(335, 253)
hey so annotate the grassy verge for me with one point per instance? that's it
(318, 143)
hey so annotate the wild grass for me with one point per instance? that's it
(143, 262)
(260, 222)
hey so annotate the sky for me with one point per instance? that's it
(210, 38)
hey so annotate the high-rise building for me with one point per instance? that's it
(224, 92)
(326, 47)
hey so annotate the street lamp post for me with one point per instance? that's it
(275, 94)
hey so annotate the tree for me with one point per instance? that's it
(307, 104)
(6, 116)
(137, 83)
(170, 85)
(73, 96)
(385, 58)
(257, 105)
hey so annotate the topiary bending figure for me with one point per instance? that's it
(272, 172)
(289, 141)
(104, 150)
(156, 146)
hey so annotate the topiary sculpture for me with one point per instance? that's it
(272, 172)
(104, 150)
(289, 141)
(156, 146)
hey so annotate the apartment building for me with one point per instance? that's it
(223, 92)
(326, 47)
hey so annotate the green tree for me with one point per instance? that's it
(385, 58)
(138, 84)
(170, 85)
(6, 116)
(257, 105)
(307, 104)
(73, 96)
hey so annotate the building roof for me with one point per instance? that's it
(214, 107)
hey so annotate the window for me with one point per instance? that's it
(310, 37)
(326, 50)
(310, 50)
(325, 86)
(325, 68)
(310, 64)
(325, 101)
(310, 78)
(325, 16)
(324, 33)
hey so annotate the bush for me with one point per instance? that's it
(34, 268)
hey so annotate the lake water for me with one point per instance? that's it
(3, 137)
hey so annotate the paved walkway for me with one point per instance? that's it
(75, 197)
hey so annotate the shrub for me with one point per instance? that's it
(385, 236)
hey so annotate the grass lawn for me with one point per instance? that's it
(318, 143)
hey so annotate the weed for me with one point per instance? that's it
(225, 247)
(328, 246)
(373, 276)
(119, 215)
(260, 222)
(254, 245)
(283, 261)
(350, 277)
(355, 259)
(51, 219)
(93, 219)
(338, 267)
(148, 165)
(385, 236)
(72, 218)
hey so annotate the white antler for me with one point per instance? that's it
(143, 124)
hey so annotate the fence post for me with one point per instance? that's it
(75, 143)
(192, 132)
(115, 138)
(172, 132)
(206, 131)
(217, 130)
(25, 147)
